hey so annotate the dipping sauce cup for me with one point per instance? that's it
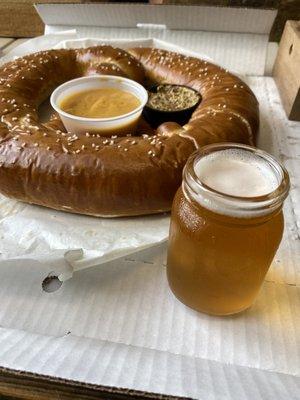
(226, 226)
(119, 125)
(156, 116)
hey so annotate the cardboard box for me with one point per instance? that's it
(287, 70)
(116, 330)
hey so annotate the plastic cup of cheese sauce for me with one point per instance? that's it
(117, 125)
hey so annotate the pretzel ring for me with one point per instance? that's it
(41, 163)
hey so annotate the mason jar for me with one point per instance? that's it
(226, 226)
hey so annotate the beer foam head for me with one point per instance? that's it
(234, 172)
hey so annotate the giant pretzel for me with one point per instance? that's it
(43, 164)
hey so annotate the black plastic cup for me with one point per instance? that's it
(156, 117)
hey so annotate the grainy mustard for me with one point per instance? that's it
(172, 98)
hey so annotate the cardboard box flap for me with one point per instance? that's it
(196, 18)
(119, 365)
(236, 38)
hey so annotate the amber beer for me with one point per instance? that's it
(226, 226)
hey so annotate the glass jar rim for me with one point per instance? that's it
(263, 204)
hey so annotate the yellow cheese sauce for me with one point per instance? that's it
(100, 103)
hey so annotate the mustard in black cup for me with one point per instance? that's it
(170, 103)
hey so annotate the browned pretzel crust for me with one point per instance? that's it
(43, 164)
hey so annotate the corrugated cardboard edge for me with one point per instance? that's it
(16, 381)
